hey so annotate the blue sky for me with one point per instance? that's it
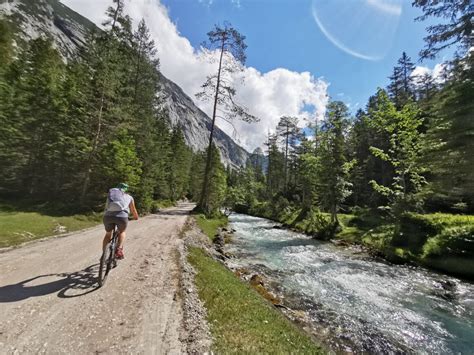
(294, 55)
(284, 33)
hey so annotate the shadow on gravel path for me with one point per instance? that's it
(67, 285)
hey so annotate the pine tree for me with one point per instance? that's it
(8, 127)
(149, 123)
(6, 47)
(456, 32)
(450, 138)
(276, 167)
(107, 58)
(333, 184)
(179, 164)
(401, 81)
(230, 45)
(308, 169)
(288, 131)
(425, 87)
(38, 109)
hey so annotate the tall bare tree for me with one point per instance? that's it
(230, 46)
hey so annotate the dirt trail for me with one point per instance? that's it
(49, 301)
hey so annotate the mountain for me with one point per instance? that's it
(196, 125)
(68, 29)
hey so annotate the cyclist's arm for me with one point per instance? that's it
(133, 209)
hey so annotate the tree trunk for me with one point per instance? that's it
(203, 203)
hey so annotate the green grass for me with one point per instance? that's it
(241, 320)
(210, 225)
(19, 227)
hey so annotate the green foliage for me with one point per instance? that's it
(71, 131)
(451, 241)
(450, 141)
(276, 168)
(438, 234)
(457, 31)
(6, 47)
(401, 82)
(333, 181)
(179, 163)
(241, 320)
(309, 166)
(401, 126)
(217, 184)
(121, 162)
(317, 224)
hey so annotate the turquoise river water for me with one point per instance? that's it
(354, 303)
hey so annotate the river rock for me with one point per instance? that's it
(227, 238)
(340, 242)
(241, 272)
(256, 280)
(446, 289)
(219, 243)
(266, 294)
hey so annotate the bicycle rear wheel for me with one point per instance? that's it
(106, 262)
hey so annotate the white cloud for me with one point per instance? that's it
(267, 95)
(436, 73)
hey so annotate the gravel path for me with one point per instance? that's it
(50, 303)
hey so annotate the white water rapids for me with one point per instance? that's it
(355, 302)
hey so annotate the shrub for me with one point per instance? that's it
(451, 241)
(412, 231)
(319, 225)
(279, 206)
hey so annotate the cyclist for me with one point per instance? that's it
(117, 208)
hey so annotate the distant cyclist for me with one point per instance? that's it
(117, 208)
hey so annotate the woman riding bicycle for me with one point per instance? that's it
(117, 208)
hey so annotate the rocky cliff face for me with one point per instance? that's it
(196, 125)
(33, 18)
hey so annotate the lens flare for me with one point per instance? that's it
(362, 28)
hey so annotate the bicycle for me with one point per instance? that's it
(108, 259)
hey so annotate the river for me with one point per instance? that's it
(352, 302)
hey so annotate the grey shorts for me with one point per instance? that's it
(111, 221)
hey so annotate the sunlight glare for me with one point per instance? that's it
(362, 28)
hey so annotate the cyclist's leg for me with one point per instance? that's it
(106, 240)
(122, 226)
(109, 227)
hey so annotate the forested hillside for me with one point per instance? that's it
(71, 130)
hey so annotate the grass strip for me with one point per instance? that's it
(20, 227)
(210, 225)
(240, 320)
